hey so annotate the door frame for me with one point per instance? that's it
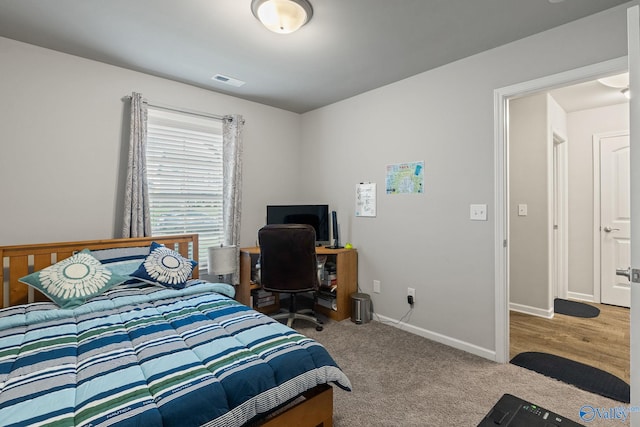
(559, 255)
(501, 179)
(633, 51)
(597, 255)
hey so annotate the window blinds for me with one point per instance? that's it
(184, 174)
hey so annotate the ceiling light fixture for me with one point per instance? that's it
(618, 81)
(282, 16)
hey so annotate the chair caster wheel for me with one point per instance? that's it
(319, 328)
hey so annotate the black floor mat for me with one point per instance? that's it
(578, 374)
(573, 308)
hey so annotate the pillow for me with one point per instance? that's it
(122, 261)
(165, 267)
(72, 281)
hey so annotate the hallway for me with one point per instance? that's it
(601, 342)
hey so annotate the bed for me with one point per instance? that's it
(142, 354)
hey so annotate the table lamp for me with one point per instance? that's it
(222, 262)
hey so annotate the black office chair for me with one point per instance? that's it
(288, 264)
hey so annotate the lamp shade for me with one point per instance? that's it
(222, 260)
(282, 16)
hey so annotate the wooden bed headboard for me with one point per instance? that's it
(20, 260)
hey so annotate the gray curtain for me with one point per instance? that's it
(137, 221)
(232, 174)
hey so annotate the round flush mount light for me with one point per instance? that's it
(282, 16)
(618, 81)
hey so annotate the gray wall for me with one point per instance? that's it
(446, 118)
(528, 184)
(64, 144)
(533, 120)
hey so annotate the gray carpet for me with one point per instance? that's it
(400, 379)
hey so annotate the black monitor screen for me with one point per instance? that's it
(315, 215)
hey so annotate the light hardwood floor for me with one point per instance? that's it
(602, 342)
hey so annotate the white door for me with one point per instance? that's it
(633, 34)
(615, 219)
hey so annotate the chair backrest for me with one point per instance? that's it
(288, 258)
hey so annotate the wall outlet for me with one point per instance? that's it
(411, 292)
(376, 286)
(478, 212)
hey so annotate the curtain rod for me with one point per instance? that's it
(183, 110)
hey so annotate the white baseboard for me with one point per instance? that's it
(581, 297)
(442, 339)
(534, 311)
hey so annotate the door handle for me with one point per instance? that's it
(609, 229)
(624, 272)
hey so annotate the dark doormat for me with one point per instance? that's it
(573, 308)
(577, 374)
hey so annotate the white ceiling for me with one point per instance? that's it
(349, 47)
(588, 95)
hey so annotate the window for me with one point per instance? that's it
(184, 174)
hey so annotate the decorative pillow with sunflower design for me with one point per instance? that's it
(72, 281)
(165, 267)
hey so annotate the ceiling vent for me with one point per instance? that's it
(228, 80)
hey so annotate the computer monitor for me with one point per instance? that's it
(314, 215)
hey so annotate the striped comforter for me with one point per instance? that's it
(151, 357)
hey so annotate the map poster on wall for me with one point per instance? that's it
(366, 199)
(405, 178)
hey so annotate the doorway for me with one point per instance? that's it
(540, 130)
(503, 259)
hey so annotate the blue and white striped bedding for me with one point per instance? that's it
(152, 356)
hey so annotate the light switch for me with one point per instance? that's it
(522, 209)
(478, 212)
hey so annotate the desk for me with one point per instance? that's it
(346, 261)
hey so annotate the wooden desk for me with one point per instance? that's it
(346, 261)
